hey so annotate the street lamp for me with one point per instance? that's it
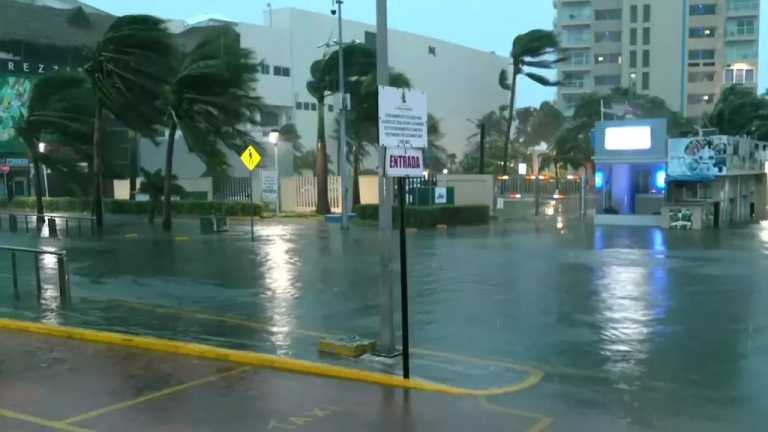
(274, 139)
(41, 146)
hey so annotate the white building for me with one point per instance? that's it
(461, 82)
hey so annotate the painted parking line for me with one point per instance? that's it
(56, 425)
(542, 422)
(156, 395)
(534, 376)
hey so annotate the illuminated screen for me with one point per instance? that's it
(628, 138)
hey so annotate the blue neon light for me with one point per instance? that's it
(660, 179)
(599, 180)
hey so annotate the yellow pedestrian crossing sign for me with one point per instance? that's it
(250, 158)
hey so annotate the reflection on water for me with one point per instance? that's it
(50, 299)
(281, 291)
(764, 235)
(631, 298)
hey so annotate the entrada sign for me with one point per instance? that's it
(404, 162)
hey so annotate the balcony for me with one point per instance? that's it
(743, 8)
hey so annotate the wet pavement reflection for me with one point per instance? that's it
(645, 328)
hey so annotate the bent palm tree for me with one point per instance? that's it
(211, 102)
(60, 108)
(533, 49)
(153, 185)
(130, 71)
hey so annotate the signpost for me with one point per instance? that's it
(251, 159)
(403, 133)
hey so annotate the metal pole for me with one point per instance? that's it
(583, 197)
(45, 179)
(37, 279)
(536, 190)
(386, 342)
(277, 174)
(404, 283)
(64, 294)
(253, 234)
(482, 148)
(345, 195)
(15, 276)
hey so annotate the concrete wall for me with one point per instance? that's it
(122, 189)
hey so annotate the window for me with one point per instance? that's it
(739, 76)
(370, 40)
(743, 5)
(647, 36)
(633, 36)
(608, 36)
(701, 99)
(736, 52)
(697, 77)
(702, 54)
(741, 27)
(306, 106)
(608, 59)
(702, 32)
(574, 79)
(298, 105)
(330, 108)
(633, 59)
(647, 13)
(633, 14)
(269, 118)
(646, 81)
(646, 58)
(608, 80)
(264, 68)
(432, 51)
(282, 71)
(579, 57)
(578, 35)
(607, 14)
(313, 106)
(702, 9)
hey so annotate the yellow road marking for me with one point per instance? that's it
(533, 378)
(183, 238)
(542, 422)
(132, 236)
(243, 357)
(155, 395)
(41, 422)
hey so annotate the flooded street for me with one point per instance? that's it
(640, 327)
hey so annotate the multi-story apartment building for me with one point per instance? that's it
(684, 51)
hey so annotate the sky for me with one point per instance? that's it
(489, 25)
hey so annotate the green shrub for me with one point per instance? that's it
(429, 217)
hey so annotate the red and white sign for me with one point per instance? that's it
(5, 169)
(404, 162)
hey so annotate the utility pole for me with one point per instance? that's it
(482, 148)
(345, 195)
(386, 342)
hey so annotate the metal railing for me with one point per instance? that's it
(31, 220)
(61, 264)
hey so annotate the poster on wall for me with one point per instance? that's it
(681, 219)
(269, 186)
(696, 159)
(14, 97)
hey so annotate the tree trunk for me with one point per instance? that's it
(510, 119)
(152, 210)
(167, 224)
(98, 206)
(557, 177)
(134, 167)
(356, 177)
(321, 162)
(38, 188)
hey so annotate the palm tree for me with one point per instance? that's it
(130, 71)
(154, 185)
(211, 102)
(60, 109)
(359, 62)
(533, 49)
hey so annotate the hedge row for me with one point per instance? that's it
(429, 217)
(195, 208)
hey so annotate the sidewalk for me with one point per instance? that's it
(48, 383)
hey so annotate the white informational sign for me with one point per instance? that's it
(269, 186)
(628, 138)
(522, 168)
(441, 195)
(404, 162)
(402, 117)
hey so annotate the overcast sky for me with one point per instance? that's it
(489, 25)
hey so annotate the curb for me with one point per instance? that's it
(235, 356)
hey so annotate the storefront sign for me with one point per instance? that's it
(402, 117)
(269, 186)
(17, 163)
(22, 67)
(403, 162)
(441, 195)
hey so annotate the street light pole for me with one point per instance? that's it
(345, 195)
(386, 342)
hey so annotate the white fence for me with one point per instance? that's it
(299, 194)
